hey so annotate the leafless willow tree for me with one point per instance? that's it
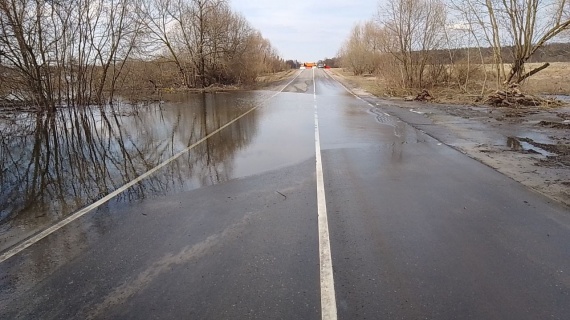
(402, 41)
(430, 48)
(222, 44)
(65, 52)
(80, 52)
(415, 29)
(524, 26)
(208, 41)
(362, 51)
(159, 17)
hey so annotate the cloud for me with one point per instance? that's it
(307, 30)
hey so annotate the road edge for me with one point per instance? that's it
(427, 126)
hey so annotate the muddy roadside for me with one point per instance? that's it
(529, 144)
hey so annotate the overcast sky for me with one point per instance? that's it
(306, 30)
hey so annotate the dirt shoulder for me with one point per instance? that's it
(530, 145)
(273, 81)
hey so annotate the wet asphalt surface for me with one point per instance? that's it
(417, 229)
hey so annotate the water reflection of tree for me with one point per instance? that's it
(55, 163)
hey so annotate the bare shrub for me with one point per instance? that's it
(361, 52)
(390, 72)
(414, 29)
(437, 72)
(464, 71)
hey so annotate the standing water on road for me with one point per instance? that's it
(55, 164)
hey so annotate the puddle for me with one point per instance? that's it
(527, 145)
(534, 136)
(560, 97)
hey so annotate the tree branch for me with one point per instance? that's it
(533, 71)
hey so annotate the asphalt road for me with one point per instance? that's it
(417, 230)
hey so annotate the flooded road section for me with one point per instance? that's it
(56, 164)
(230, 227)
(192, 206)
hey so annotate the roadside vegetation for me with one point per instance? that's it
(467, 49)
(77, 53)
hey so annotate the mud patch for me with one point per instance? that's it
(556, 155)
(555, 125)
(527, 145)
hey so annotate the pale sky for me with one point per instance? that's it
(306, 30)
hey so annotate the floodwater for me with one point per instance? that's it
(54, 165)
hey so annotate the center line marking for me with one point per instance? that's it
(39, 236)
(328, 300)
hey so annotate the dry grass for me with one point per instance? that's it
(553, 80)
(273, 77)
(379, 87)
(374, 84)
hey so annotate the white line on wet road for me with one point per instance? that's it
(328, 300)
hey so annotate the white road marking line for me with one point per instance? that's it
(31, 241)
(354, 94)
(328, 300)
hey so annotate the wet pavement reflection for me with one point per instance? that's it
(74, 157)
(54, 164)
(236, 216)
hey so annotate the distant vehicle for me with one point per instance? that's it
(320, 65)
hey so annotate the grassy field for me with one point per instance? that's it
(552, 80)
(374, 84)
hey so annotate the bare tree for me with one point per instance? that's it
(415, 30)
(120, 32)
(159, 17)
(523, 25)
(23, 44)
(361, 52)
(63, 51)
(75, 52)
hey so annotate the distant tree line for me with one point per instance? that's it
(423, 43)
(552, 52)
(84, 51)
